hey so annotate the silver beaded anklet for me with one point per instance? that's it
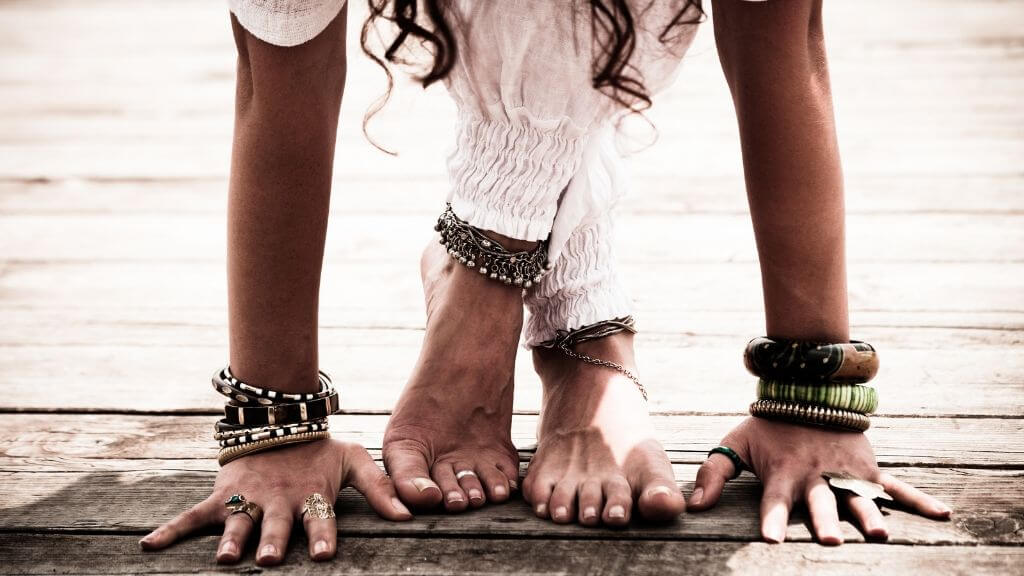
(564, 340)
(473, 249)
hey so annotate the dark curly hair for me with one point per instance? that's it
(424, 22)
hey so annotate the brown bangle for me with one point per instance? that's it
(851, 362)
(234, 452)
(807, 414)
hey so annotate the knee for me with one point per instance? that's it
(773, 41)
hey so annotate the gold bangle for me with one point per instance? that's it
(233, 452)
(807, 414)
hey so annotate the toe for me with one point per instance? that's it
(591, 500)
(455, 500)
(618, 501)
(470, 483)
(494, 481)
(654, 484)
(562, 506)
(408, 468)
(538, 493)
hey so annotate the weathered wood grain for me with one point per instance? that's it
(48, 498)
(692, 375)
(948, 442)
(35, 554)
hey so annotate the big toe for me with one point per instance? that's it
(659, 499)
(411, 474)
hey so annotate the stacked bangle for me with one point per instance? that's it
(815, 383)
(257, 419)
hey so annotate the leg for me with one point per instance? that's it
(286, 118)
(773, 56)
(597, 453)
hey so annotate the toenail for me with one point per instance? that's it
(268, 551)
(229, 547)
(499, 490)
(422, 484)
(561, 513)
(320, 547)
(542, 510)
(589, 513)
(513, 485)
(475, 494)
(454, 497)
(660, 490)
(617, 512)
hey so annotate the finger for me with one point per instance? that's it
(470, 483)
(322, 535)
(199, 516)
(711, 478)
(618, 502)
(776, 503)
(237, 528)
(868, 516)
(591, 501)
(563, 501)
(365, 476)
(821, 503)
(275, 530)
(915, 499)
(408, 468)
(454, 497)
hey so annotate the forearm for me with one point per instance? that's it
(774, 60)
(286, 117)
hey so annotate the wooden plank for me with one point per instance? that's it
(34, 554)
(699, 377)
(648, 239)
(385, 287)
(948, 442)
(987, 506)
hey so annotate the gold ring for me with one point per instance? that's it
(237, 504)
(318, 507)
(463, 474)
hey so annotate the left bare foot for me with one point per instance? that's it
(596, 450)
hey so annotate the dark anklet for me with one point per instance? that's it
(565, 340)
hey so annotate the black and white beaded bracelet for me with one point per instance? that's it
(225, 383)
(276, 432)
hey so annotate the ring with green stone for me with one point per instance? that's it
(852, 397)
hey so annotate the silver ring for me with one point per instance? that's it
(463, 474)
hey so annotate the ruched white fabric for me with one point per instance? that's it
(535, 155)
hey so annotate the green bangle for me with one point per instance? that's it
(852, 397)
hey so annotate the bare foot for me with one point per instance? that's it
(455, 414)
(596, 450)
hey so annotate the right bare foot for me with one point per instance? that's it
(455, 414)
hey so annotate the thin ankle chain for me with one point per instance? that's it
(564, 340)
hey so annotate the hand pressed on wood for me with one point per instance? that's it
(279, 481)
(790, 459)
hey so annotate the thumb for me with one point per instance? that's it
(711, 478)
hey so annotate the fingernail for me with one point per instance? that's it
(454, 497)
(229, 548)
(774, 535)
(320, 547)
(268, 551)
(589, 513)
(943, 509)
(475, 494)
(397, 505)
(422, 484)
(499, 490)
(617, 512)
(561, 513)
(542, 510)
(697, 497)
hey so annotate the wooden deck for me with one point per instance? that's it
(115, 122)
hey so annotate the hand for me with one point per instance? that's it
(280, 480)
(789, 460)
